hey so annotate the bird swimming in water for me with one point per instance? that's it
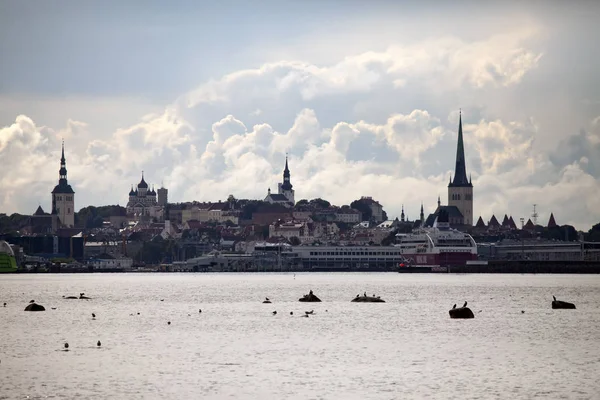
(93, 315)
(274, 312)
(162, 299)
(291, 313)
(4, 304)
(98, 344)
(464, 305)
(67, 346)
(199, 311)
(169, 323)
(454, 306)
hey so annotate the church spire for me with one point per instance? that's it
(62, 173)
(460, 172)
(286, 185)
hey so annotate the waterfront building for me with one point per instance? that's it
(63, 196)
(539, 250)
(143, 205)
(285, 195)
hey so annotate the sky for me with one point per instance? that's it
(208, 97)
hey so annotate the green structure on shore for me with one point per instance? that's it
(8, 263)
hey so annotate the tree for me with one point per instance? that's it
(389, 239)
(364, 208)
(250, 208)
(320, 203)
(593, 235)
(295, 241)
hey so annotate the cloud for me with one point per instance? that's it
(382, 124)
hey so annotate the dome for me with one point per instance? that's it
(142, 184)
(132, 192)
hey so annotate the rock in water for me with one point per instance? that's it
(310, 298)
(367, 299)
(557, 304)
(461, 313)
(34, 307)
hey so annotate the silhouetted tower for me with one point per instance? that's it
(460, 189)
(63, 196)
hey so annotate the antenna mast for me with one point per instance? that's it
(534, 215)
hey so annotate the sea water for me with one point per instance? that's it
(407, 348)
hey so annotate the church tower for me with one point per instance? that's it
(285, 188)
(63, 196)
(460, 190)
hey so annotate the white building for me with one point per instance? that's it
(291, 229)
(143, 205)
(285, 195)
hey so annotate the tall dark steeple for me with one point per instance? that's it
(63, 185)
(62, 173)
(460, 171)
(287, 185)
(63, 196)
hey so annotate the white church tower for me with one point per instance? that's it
(285, 188)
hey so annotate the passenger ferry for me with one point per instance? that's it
(436, 248)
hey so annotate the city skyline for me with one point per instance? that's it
(370, 110)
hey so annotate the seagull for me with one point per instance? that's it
(454, 306)
(32, 301)
(267, 299)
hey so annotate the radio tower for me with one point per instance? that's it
(534, 215)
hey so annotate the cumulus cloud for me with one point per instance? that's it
(382, 124)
